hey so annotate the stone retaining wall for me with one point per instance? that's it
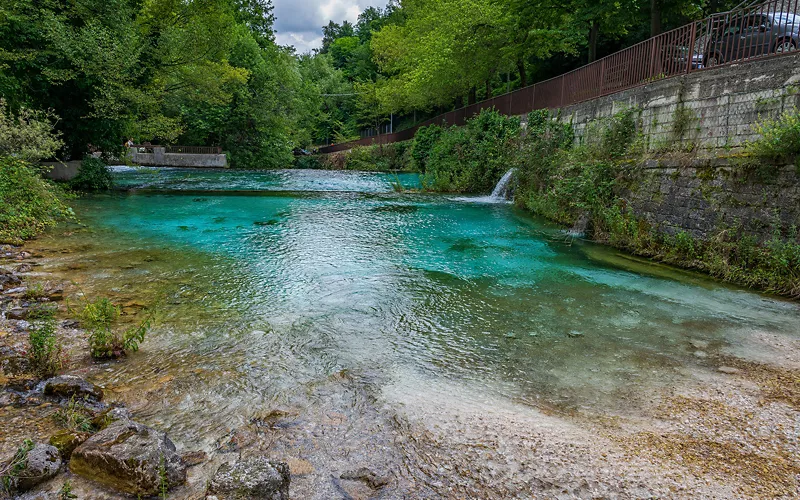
(710, 109)
(710, 196)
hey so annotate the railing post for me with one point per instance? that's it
(602, 75)
(692, 39)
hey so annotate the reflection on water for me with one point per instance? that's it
(267, 295)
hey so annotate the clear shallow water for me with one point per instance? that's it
(271, 289)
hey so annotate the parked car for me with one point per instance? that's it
(753, 35)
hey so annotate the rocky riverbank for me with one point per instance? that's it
(61, 437)
(729, 433)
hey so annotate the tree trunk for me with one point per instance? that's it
(459, 102)
(594, 31)
(523, 77)
(655, 17)
(473, 96)
(488, 90)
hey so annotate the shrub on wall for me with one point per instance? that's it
(779, 139)
(28, 203)
(474, 157)
(93, 175)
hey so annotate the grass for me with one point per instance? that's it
(74, 417)
(11, 470)
(45, 353)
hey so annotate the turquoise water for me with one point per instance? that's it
(275, 281)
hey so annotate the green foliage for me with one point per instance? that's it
(74, 417)
(28, 203)
(29, 135)
(44, 348)
(105, 342)
(35, 291)
(11, 470)
(65, 493)
(93, 175)
(424, 140)
(473, 158)
(779, 139)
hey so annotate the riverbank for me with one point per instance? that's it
(717, 421)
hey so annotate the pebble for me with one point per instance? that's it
(699, 344)
(575, 334)
(700, 354)
(728, 369)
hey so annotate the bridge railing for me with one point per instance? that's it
(190, 150)
(763, 29)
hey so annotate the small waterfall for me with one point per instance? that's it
(503, 189)
(503, 192)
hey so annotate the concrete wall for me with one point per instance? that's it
(59, 171)
(159, 158)
(719, 106)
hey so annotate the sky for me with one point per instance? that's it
(300, 22)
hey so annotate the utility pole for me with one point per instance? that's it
(391, 123)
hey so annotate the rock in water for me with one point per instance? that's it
(67, 386)
(129, 457)
(368, 477)
(66, 442)
(256, 478)
(41, 463)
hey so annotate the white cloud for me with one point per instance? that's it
(300, 22)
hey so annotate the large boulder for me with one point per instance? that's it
(41, 463)
(129, 457)
(68, 386)
(256, 478)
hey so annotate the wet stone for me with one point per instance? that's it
(256, 478)
(68, 386)
(728, 370)
(66, 442)
(700, 354)
(367, 476)
(130, 457)
(42, 463)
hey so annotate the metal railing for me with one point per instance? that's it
(189, 150)
(764, 29)
(194, 150)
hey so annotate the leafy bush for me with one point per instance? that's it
(424, 140)
(105, 342)
(29, 135)
(74, 417)
(28, 203)
(780, 138)
(308, 162)
(44, 349)
(473, 158)
(93, 175)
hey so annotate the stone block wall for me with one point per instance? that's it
(709, 196)
(709, 109)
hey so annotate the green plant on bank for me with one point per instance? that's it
(45, 353)
(562, 182)
(474, 157)
(29, 204)
(35, 291)
(93, 175)
(11, 470)
(424, 140)
(105, 342)
(779, 139)
(74, 417)
(65, 493)
(162, 477)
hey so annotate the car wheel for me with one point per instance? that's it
(785, 45)
(713, 60)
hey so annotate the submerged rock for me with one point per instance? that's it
(41, 463)
(67, 386)
(368, 477)
(66, 442)
(257, 478)
(129, 457)
(110, 415)
(728, 370)
(574, 334)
